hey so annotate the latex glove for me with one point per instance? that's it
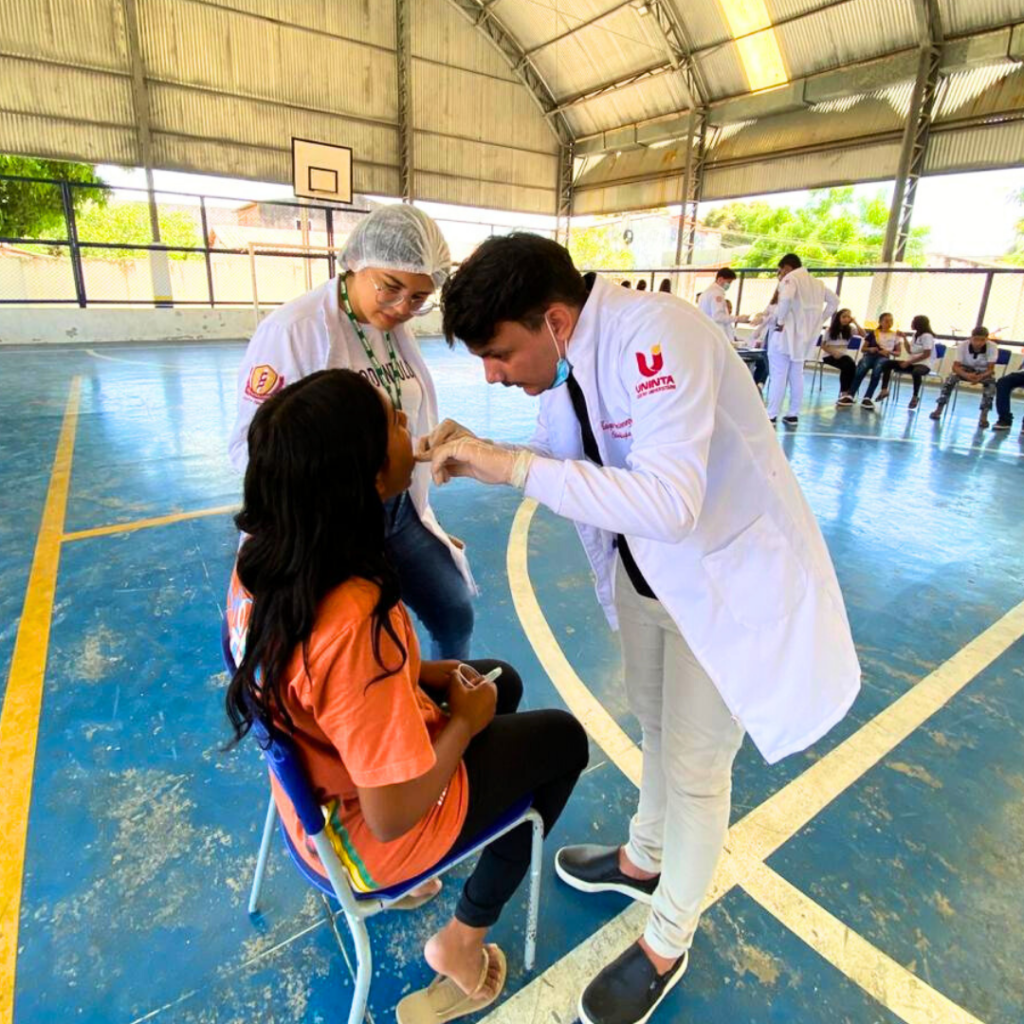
(446, 431)
(482, 460)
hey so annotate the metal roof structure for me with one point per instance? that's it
(542, 106)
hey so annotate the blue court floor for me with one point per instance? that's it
(876, 878)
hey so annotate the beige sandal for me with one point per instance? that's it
(442, 1000)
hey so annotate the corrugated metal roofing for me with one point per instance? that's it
(230, 82)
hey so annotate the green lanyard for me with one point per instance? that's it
(394, 368)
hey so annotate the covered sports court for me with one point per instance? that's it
(877, 877)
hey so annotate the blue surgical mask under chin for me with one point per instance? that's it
(563, 369)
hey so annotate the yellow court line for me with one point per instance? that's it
(899, 990)
(760, 832)
(145, 524)
(19, 720)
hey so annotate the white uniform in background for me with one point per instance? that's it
(804, 305)
(313, 333)
(713, 304)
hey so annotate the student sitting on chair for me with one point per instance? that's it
(916, 359)
(327, 653)
(1008, 383)
(880, 345)
(835, 345)
(975, 364)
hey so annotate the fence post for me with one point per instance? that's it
(72, 233)
(986, 292)
(206, 248)
(329, 218)
(839, 282)
(739, 292)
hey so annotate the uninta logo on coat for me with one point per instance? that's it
(656, 365)
(656, 380)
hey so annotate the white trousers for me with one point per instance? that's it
(782, 371)
(689, 742)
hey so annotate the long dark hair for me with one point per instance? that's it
(921, 325)
(313, 519)
(837, 329)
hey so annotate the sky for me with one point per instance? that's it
(967, 214)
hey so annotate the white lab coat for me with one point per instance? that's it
(308, 334)
(713, 304)
(804, 305)
(715, 518)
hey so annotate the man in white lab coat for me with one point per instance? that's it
(651, 437)
(804, 305)
(714, 304)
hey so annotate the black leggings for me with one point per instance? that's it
(917, 370)
(536, 752)
(847, 368)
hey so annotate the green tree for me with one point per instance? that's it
(833, 228)
(32, 209)
(128, 224)
(1016, 255)
(601, 247)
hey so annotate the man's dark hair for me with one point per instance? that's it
(726, 274)
(981, 331)
(791, 260)
(510, 277)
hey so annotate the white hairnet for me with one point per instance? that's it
(399, 237)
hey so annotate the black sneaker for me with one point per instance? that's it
(791, 421)
(1002, 424)
(866, 403)
(596, 869)
(628, 990)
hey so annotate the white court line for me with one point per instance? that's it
(991, 448)
(551, 996)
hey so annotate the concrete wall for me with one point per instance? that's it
(35, 325)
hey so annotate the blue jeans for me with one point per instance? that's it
(873, 361)
(432, 585)
(1003, 391)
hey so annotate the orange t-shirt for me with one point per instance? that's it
(353, 732)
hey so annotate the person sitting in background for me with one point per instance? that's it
(714, 304)
(762, 323)
(835, 346)
(665, 286)
(626, 284)
(919, 360)
(881, 344)
(327, 656)
(641, 285)
(975, 364)
(1004, 389)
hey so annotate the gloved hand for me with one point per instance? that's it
(446, 431)
(482, 460)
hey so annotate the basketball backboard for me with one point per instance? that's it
(321, 171)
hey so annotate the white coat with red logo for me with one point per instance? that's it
(311, 333)
(695, 478)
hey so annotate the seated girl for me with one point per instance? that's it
(327, 654)
(835, 352)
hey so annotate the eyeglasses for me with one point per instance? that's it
(389, 296)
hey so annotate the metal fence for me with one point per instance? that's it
(100, 250)
(955, 299)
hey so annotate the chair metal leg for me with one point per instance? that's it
(533, 908)
(261, 860)
(364, 969)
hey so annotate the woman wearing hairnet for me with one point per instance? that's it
(392, 265)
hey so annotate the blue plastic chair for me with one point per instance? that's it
(283, 761)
